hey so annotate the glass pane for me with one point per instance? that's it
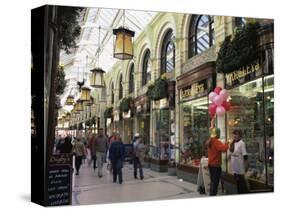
(131, 81)
(148, 70)
(246, 114)
(195, 131)
(170, 57)
(203, 36)
(162, 127)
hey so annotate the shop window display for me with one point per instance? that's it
(252, 112)
(160, 147)
(195, 131)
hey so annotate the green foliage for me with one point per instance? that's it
(158, 90)
(125, 104)
(108, 113)
(60, 81)
(239, 51)
(68, 27)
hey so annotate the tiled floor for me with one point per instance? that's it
(89, 189)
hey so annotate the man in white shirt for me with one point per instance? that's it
(239, 161)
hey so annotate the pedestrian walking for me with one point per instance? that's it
(117, 156)
(141, 151)
(79, 151)
(215, 148)
(239, 161)
(66, 147)
(100, 144)
(134, 159)
(91, 146)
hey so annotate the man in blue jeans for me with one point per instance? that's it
(117, 156)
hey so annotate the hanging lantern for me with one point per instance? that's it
(90, 102)
(78, 106)
(85, 94)
(67, 117)
(69, 100)
(123, 46)
(97, 79)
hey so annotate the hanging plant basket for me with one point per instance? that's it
(239, 51)
(158, 90)
(108, 113)
(125, 104)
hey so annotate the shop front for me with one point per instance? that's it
(251, 89)
(252, 111)
(162, 148)
(142, 118)
(194, 87)
(128, 127)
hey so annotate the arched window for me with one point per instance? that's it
(168, 53)
(120, 88)
(112, 93)
(201, 34)
(131, 79)
(146, 68)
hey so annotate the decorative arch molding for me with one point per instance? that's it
(167, 25)
(141, 53)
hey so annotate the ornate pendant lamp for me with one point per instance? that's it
(97, 78)
(79, 105)
(69, 100)
(67, 117)
(85, 94)
(90, 102)
(123, 44)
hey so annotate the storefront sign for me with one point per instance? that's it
(196, 90)
(59, 180)
(242, 75)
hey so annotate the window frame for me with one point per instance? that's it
(131, 78)
(120, 88)
(145, 64)
(193, 31)
(164, 50)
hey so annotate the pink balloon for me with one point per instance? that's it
(220, 111)
(218, 90)
(218, 100)
(224, 94)
(212, 96)
(226, 105)
(212, 109)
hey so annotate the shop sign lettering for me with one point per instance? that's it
(194, 90)
(243, 74)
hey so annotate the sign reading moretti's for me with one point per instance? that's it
(243, 74)
(196, 90)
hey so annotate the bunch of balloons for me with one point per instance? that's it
(219, 104)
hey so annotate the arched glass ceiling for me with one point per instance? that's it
(108, 19)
